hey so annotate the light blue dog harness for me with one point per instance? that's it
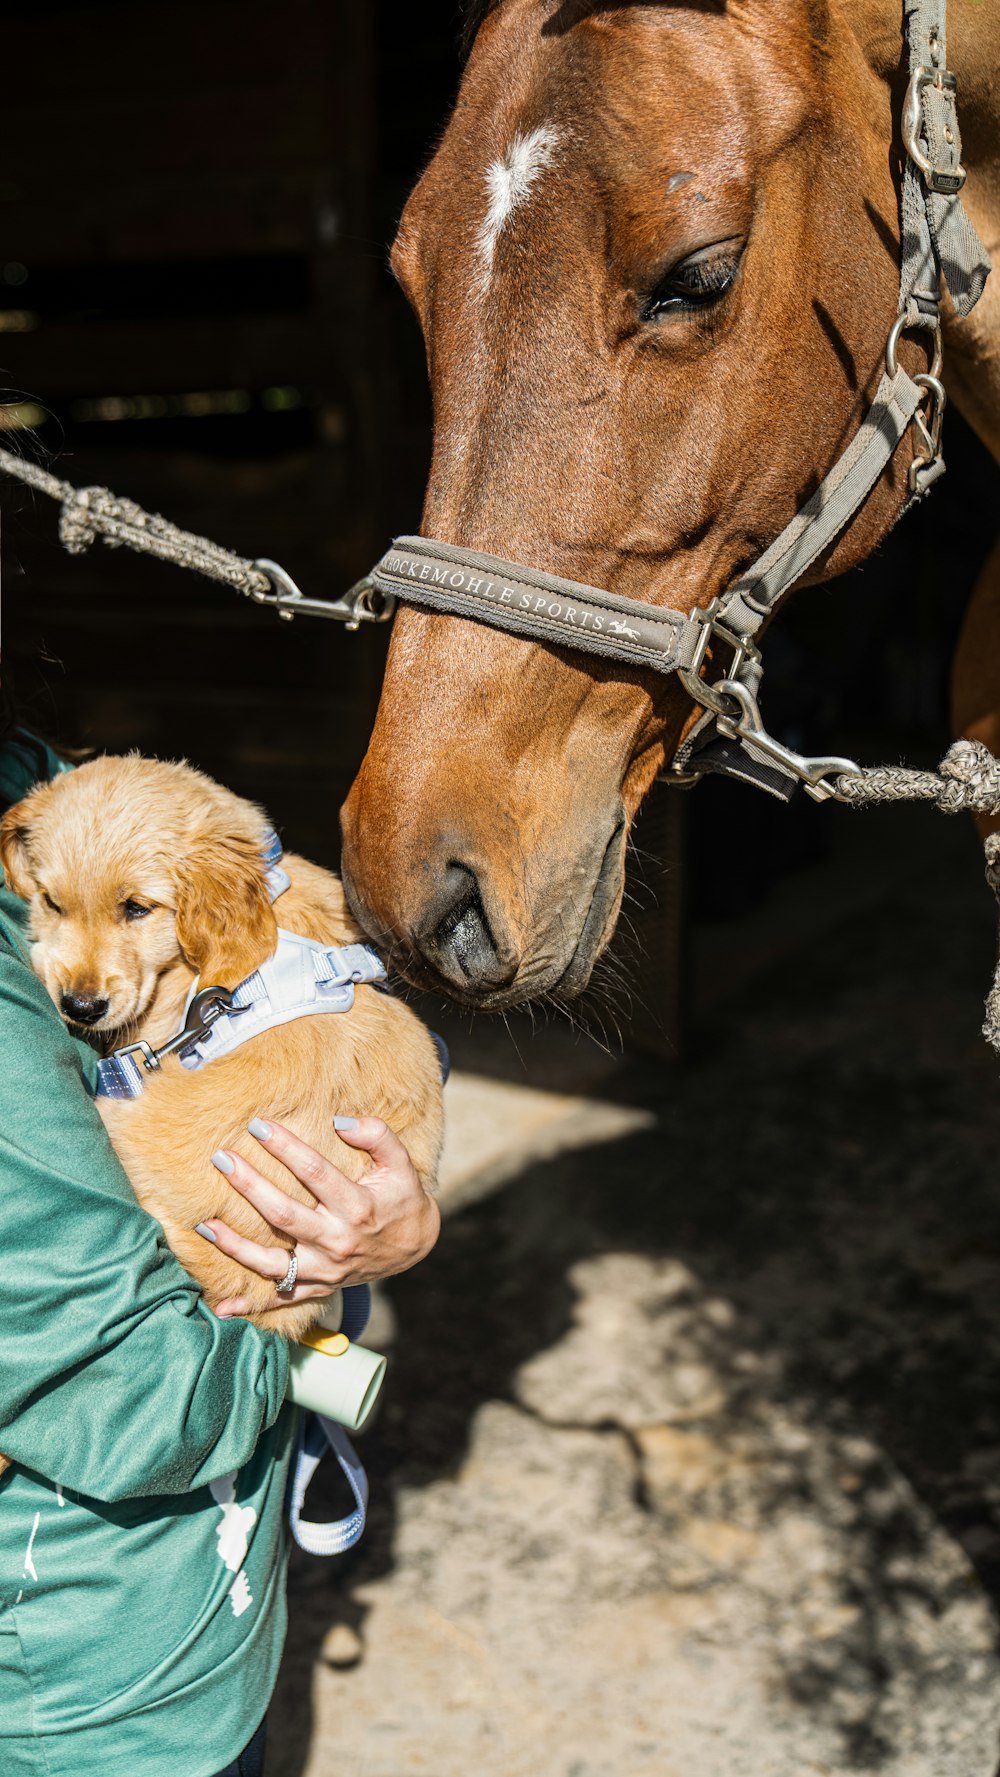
(301, 979)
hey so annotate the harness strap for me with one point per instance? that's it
(302, 979)
(316, 1435)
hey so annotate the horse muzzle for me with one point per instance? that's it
(489, 941)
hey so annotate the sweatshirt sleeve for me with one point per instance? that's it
(115, 1379)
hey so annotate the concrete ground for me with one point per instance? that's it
(689, 1460)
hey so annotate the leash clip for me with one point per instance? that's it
(362, 603)
(748, 728)
(208, 1005)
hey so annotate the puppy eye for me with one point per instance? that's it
(132, 909)
(47, 898)
(696, 282)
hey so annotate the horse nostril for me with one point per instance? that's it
(84, 1008)
(460, 943)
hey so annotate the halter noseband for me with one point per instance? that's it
(937, 240)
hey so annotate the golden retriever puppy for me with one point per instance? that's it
(144, 877)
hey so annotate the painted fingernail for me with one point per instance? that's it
(224, 1162)
(206, 1233)
(259, 1128)
(345, 1122)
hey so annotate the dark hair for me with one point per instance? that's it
(8, 714)
(35, 750)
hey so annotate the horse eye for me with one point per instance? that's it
(133, 909)
(47, 898)
(694, 283)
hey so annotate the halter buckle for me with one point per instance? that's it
(744, 652)
(948, 181)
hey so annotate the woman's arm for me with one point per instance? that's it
(115, 1379)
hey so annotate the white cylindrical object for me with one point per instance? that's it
(333, 1377)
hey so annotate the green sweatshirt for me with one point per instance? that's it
(142, 1539)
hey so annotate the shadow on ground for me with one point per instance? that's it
(726, 1390)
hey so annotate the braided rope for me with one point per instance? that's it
(967, 781)
(92, 512)
(968, 778)
(991, 1021)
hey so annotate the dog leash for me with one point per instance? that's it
(315, 1435)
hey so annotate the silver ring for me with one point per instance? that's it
(287, 1284)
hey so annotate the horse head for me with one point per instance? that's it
(655, 260)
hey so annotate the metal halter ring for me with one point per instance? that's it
(287, 1284)
(704, 691)
(906, 323)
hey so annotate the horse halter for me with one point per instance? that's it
(938, 241)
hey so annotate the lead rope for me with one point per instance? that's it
(966, 782)
(91, 512)
(991, 1022)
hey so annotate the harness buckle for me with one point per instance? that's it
(947, 181)
(744, 652)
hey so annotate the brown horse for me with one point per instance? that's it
(655, 259)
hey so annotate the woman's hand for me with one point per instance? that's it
(357, 1232)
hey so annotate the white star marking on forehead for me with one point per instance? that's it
(509, 182)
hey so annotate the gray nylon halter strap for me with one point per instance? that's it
(825, 514)
(466, 583)
(938, 243)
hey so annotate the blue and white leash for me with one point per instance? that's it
(316, 1434)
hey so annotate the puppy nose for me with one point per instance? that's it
(84, 1008)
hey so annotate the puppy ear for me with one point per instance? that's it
(225, 923)
(15, 838)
